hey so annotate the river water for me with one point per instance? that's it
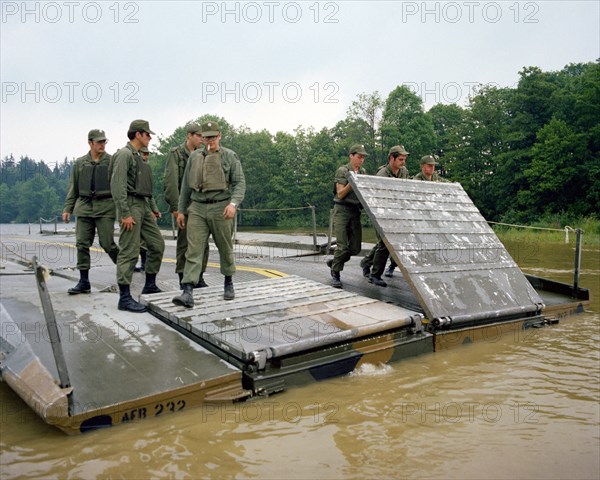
(518, 406)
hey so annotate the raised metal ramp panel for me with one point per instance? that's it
(454, 262)
(275, 317)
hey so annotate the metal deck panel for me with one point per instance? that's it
(279, 315)
(112, 356)
(451, 258)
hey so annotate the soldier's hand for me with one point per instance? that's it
(175, 213)
(127, 223)
(181, 220)
(229, 211)
(157, 215)
(66, 216)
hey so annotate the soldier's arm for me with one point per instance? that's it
(72, 194)
(237, 180)
(171, 181)
(185, 196)
(118, 183)
(342, 185)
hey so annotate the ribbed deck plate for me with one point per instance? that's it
(454, 262)
(279, 316)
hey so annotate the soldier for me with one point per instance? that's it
(174, 168)
(213, 186)
(346, 215)
(131, 186)
(145, 153)
(428, 163)
(89, 198)
(379, 254)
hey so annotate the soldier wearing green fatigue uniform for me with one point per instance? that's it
(131, 187)
(427, 173)
(90, 199)
(377, 257)
(174, 167)
(213, 186)
(145, 153)
(346, 214)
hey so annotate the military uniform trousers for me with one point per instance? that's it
(206, 219)
(145, 228)
(182, 246)
(85, 230)
(381, 254)
(348, 234)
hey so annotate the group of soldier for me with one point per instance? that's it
(347, 209)
(204, 182)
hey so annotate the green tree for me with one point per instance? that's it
(555, 171)
(404, 122)
(367, 109)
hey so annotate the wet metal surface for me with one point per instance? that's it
(453, 261)
(279, 316)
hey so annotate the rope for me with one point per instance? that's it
(25, 259)
(272, 209)
(48, 220)
(567, 228)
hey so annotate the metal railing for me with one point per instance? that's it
(313, 216)
(567, 229)
(51, 220)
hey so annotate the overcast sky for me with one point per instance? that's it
(71, 66)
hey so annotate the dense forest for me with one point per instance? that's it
(527, 154)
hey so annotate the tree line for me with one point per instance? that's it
(524, 154)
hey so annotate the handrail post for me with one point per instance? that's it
(330, 231)
(53, 333)
(579, 233)
(314, 222)
(173, 226)
(55, 224)
(40, 225)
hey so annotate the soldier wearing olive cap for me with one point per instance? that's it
(379, 254)
(213, 186)
(131, 186)
(174, 167)
(346, 214)
(89, 198)
(428, 163)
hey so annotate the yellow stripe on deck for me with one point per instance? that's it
(269, 273)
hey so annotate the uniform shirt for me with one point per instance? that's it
(174, 174)
(123, 178)
(232, 167)
(84, 206)
(340, 177)
(434, 178)
(386, 171)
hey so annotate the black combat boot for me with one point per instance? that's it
(126, 302)
(84, 284)
(228, 294)
(186, 299)
(150, 286)
(337, 281)
(201, 283)
(376, 280)
(390, 270)
(142, 267)
(366, 269)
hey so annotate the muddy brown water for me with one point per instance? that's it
(525, 405)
